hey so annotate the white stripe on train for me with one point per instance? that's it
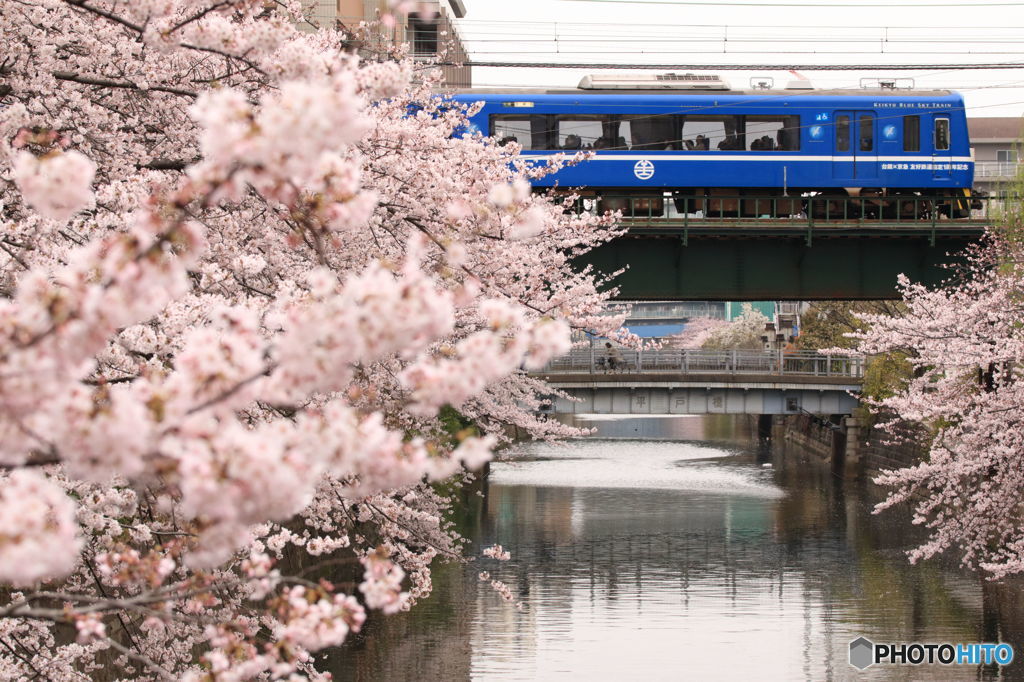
(654, 158)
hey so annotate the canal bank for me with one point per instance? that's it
(845, 443)
(680, 549)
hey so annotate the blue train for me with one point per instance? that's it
(699, 145)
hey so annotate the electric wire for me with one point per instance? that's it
(993, 66)
(815, 5)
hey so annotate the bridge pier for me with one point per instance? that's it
(834, 441)
(837, 457)
(851, 450)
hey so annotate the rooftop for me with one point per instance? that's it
(995, 129)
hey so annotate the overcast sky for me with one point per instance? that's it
(841, 32)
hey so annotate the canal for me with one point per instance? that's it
(666, 549)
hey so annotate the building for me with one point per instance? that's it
(995, 143)
(434, 37)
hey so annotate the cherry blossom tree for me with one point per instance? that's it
(243, 271)
(744, 332)
(696, 332)
(964, 400)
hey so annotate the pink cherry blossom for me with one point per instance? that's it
(39, 538)
(57, 185)
(960, 400)
(242, 279)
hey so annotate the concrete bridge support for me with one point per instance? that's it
(852, 465)
(835, 441)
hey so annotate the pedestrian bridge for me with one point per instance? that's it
(674, 381)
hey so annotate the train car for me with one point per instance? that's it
(710, 142)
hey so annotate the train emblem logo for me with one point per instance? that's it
(644, 169)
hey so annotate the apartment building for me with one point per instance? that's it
(430, 35)
(995, 142)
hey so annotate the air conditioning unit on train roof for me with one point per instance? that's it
(613, 80)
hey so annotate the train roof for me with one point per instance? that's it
(776, 93)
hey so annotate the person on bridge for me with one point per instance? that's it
(614, 357)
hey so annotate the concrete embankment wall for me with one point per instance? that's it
(851, 449)
(879, 455)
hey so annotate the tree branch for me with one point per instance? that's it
(125, 85)
(105, 14)
(162, 672)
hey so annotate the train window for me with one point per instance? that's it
(773, 133)
(843, 133)
(616, 134)
(911, 133)
(867, 132)
(532, 132)
(941, 134)
(713, 132)
(658, 131)
(579, 132)
(512, 130)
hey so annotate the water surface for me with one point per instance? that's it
(680, 555)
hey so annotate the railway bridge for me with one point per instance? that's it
(820, 248)
(673, 381)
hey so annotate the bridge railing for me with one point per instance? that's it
(868, 210)
(674, 360)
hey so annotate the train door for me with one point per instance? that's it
(855, 157)
(941, 154)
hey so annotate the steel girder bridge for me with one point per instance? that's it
(746, 248)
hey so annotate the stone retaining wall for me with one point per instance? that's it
(855, 451)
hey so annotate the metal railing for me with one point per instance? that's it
(674, 360)
(797, 211)
(787, 308)
(996, 169)
(675, 311)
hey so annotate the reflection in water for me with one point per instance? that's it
(605, 466)
(685, 559)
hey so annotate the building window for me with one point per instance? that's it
(423, 37)
(1006, 156)
(911, 133)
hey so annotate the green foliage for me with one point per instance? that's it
(456, 425)
(1008, 214)
(885, 375)
(826, 324)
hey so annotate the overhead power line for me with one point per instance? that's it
(741, 67)
(815, 5)
(619, 26)
(511, 54)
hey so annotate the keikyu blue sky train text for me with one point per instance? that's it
(683, 143)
